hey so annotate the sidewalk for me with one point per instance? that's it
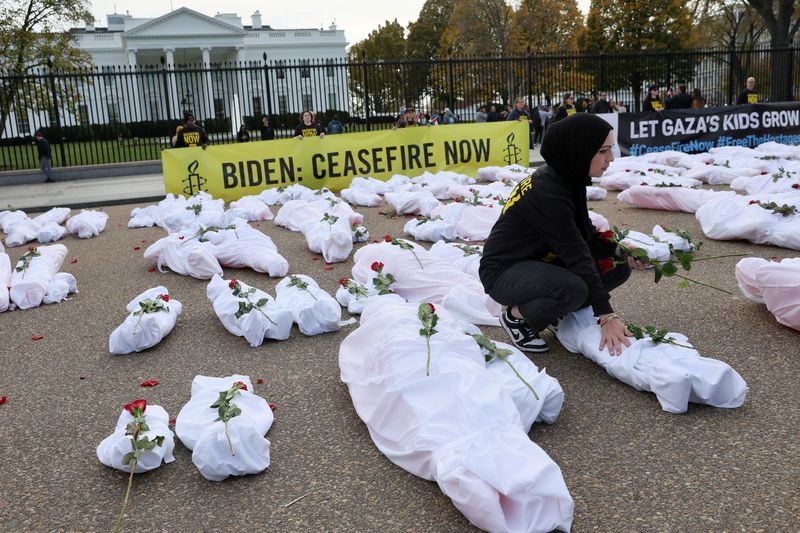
(102, 191)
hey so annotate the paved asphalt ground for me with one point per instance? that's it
(629, 465)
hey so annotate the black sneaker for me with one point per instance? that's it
(522, 334)
(553, 326)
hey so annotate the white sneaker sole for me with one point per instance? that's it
(532, 349)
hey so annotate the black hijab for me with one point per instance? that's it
(570, 144)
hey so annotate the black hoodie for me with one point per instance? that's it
(546, 217)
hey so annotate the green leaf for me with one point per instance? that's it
(658, 274)
(262, 302)
(683, 284)
(128, 458)
(669, 269)
(159, 440)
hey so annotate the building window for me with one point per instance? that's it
(308, 102)
(255, 75)
(113, 111)
(280, 71)
(283, 104)
(219, 108)
(257, 109)
(23, 124)
(305, 70)
(330, 69)
(83, 114)
(332, 100)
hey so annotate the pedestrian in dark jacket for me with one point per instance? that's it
(45, 156)
(267, 132)
(681, 99)
(243, 136)
(543, 257)
(493, 115)
(602, 105)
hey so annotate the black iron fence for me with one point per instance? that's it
(122, 114)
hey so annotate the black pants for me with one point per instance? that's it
(543, 292)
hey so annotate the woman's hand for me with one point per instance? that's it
(636, 264)
(613, 334)
(321, 135)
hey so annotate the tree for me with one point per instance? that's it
(424, 36)
(628, 27)
(378, 81)
(546, 26)
(33, 35)
(782, 19)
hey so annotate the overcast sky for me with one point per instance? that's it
(356, 18)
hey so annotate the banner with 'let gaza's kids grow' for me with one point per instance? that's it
(230, 171)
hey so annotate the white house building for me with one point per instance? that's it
(157, 67)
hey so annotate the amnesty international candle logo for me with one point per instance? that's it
(512, 151)
(194, 182)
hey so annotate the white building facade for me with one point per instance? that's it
(154, 69)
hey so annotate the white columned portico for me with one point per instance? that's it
(135, 111)
(175, 107)
(209, 88)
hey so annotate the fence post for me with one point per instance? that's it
(366, 89)
(669, 69)
(731, 59)
(602, 80)
(450, 89)
(269, 90)
(167, 94)
(55, 112)
(529, 76)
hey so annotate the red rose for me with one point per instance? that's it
(233, 284)
(74, 261)
(376, 266)
(627, 170)
(30, 248)
(164, 297)
(795, 185)
(241, 385)
(751, 202)
(649, 169)
(387, 238)
(259, 381)
(181, 237)
(136, 248)
(763, 172)
(149, 383)
(328, 268)
(3, 400)
(433, 309)
(343, 281)
(151, 269)
(136, 405)
(605, 265)
(272, 406)
(172, 422)
(607, 235)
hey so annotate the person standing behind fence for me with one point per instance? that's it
(243, 136)
(698, 102)
(493, 115)
(190, 134)
(267, 132)
(335, 126)
(601, 106)
(652, 101)
(307, 127)
(481, 115)
(45, 156)
(521, 114)
(566, 108)
(749, 95)
(681, 100)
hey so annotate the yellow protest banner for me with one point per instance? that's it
(230, 171)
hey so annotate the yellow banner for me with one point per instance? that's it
(230, 171)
